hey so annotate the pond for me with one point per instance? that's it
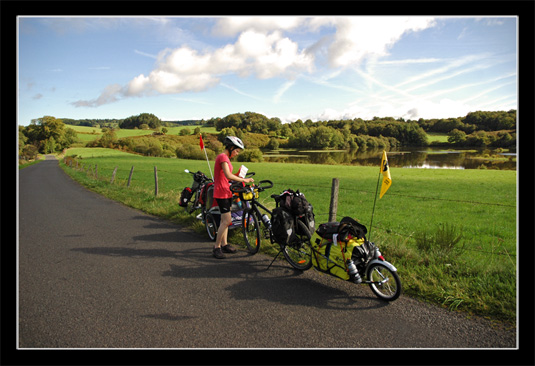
(415, 157)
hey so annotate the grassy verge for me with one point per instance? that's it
(450, 233)
(38, 159)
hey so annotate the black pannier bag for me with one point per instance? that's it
(185, 196)
(363, 253)
(327, 230)
(295, 202)
(197, 180)
(282, 223)
(346, 229)
(351, 228)
(308, 220)
(350, 238)
(297, 205)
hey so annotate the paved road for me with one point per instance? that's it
(94, 273)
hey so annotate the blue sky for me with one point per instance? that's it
(317, 68)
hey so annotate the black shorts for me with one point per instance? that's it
(224, 204)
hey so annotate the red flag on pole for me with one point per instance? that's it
(201, 144)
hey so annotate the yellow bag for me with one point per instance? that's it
(331, 256)
(249, 195)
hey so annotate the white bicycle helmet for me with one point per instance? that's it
(232, 142)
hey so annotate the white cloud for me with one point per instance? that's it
(184, 69)
(239, 91)
(230, 26)
(283, 89)
(145, 54)
(414, 109)
(137, 85)
(110, 94)
(409, 61)
(450, 65)
(262, 51)
(359, 37)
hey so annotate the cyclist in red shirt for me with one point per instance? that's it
(222, 175)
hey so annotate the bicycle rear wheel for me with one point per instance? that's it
(299, 252)
(251, 231)
(211, 226)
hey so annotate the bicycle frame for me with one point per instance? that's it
(252, 216)
(197, 188)
(254, 207)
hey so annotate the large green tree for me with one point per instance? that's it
(148, 119)
(49, 134)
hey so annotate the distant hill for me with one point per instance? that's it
(184, 123)
(112, 122)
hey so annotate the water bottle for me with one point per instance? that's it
(353, 272)
(236, 204)
(266, 220)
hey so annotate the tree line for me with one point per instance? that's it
(477, 129)
(142, 121)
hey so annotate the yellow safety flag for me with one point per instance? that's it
(385, 170)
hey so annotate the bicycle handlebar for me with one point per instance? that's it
(199, 176)
(268, 182)
(238, 188)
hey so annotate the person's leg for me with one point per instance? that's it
(222, 232)
(221, 246)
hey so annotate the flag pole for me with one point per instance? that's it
(205, 154)
(387, 181)
(374, 201)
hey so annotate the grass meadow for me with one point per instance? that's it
(86, 134)
(450, 233)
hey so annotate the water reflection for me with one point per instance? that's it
(424, 158)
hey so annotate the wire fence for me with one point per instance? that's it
(74, 163)
(419, 197)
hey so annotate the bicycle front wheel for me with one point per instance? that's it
(385, 284)
(251, 231)
(193, 203)
(299, 252)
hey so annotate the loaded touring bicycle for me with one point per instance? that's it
(200, 197)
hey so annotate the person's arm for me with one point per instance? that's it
(230, 176)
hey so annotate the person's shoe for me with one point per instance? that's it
(218, 253)
(228, 249)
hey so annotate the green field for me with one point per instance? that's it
(86, 134)
(437, 137)
(478, 275)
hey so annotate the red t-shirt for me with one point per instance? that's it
(221, 183)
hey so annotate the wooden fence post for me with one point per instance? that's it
(130, 176)
(113, 175)
(333, 208)
(155, 181)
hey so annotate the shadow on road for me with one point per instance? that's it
(250, 279)
(128, 252)
(280, 284)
